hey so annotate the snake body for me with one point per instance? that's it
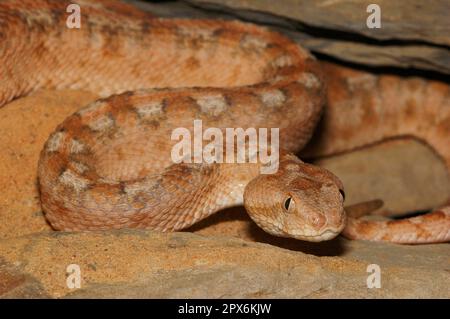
(363, 109)
(109, 165)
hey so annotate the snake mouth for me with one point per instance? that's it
(324, 236)
(313, 235)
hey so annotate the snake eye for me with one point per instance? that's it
(342, 194)
(288, 203)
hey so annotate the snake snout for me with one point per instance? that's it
(332, 219)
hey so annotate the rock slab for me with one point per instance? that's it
(145, 264)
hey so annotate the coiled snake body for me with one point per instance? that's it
(109, 165)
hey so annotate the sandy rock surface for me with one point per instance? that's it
(25, 125)
(145, 264)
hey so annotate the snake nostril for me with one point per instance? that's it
(317, 220)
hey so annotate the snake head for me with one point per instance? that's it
(301, 201)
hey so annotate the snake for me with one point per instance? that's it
(110, 165)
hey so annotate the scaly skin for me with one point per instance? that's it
(363, 109)
(109, 165)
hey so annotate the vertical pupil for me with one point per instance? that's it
(287, 203)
